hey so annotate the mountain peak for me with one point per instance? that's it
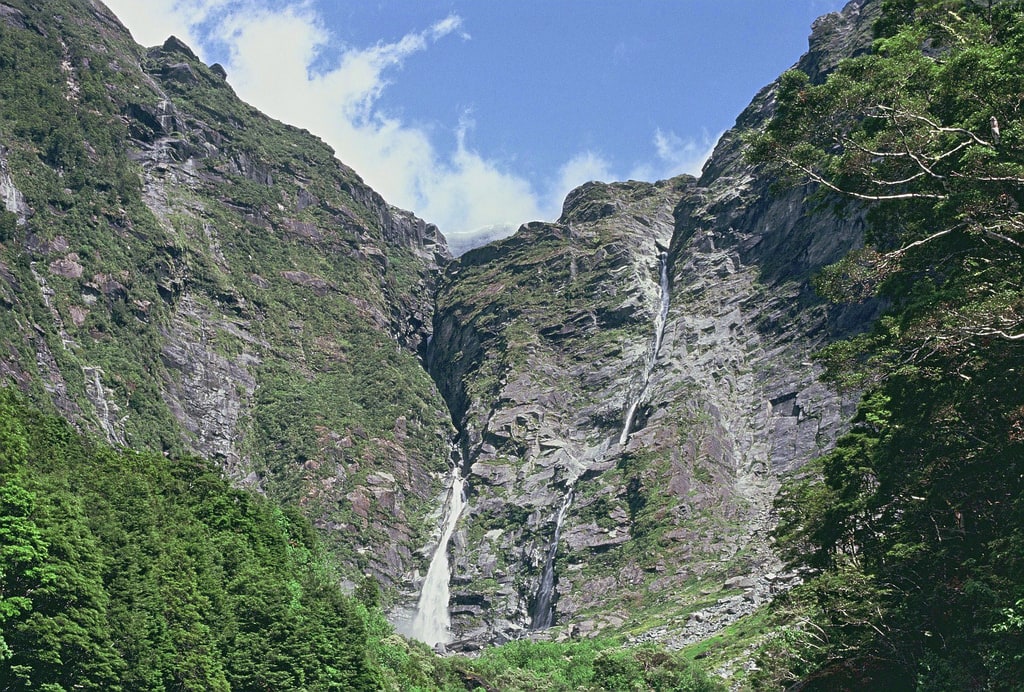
(173, 44)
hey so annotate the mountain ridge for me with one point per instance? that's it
(235, 293)
(241, 294)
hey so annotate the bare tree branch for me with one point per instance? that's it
(992, 178)
(899, 182)
(991, 331)
(921, 164)
(992, 233)
(952, 151)
(922, 241)
(858, 195)
(934, 125)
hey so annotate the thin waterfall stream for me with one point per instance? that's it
(542, 612)
(432, 622)
(659, 334)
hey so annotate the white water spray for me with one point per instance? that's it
(659, 335)
(542, 612)
(432, 622)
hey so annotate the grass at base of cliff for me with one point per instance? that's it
(670, 610)
(598, 664)
(693, 588)
(728, 651)
(768, 649)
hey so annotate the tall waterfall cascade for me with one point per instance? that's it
(432, 622)
(659, 334)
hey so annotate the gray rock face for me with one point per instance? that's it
(545, 341)
(14, 201)
(209, 393)
(537, 341)
(221, 346)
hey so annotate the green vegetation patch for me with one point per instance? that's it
(604, 664)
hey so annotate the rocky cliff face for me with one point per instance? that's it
(180, 272)
(540, 345)
(623, 473)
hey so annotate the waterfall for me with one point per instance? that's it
(432, 622)
(628, 425)
(662, 319)
(542, 614)
(659, 334)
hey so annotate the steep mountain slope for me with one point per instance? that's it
(539, 343)
(125, 570)
(622, 431)
(179, 272)
(619, 392)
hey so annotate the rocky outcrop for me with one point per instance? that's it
(209, 393)
(746, 251)
(546, 345)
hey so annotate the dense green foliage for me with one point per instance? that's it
(121, 570)
(134, 571)
(917, 518)
(188, 275)
(587, 665)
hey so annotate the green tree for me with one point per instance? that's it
(926, 131)
(921, 499)
(368, 592)
(121, 570)
(23, 557)
(64, 639)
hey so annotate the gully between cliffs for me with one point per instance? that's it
(542, 612)
(659, 335)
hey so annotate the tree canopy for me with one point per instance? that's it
(922, 503)
(121, 570)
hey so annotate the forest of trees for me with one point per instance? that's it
(916, 521)
(132, 571)
(123, 570)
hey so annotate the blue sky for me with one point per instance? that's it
(479, 112)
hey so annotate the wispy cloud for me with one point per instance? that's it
(583, 167)
(151, 22)
(461, 190)
(675, 155)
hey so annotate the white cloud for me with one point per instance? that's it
(340, 102)
(582, 168)
(152, 21)
(675, 155)
(460, 192)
